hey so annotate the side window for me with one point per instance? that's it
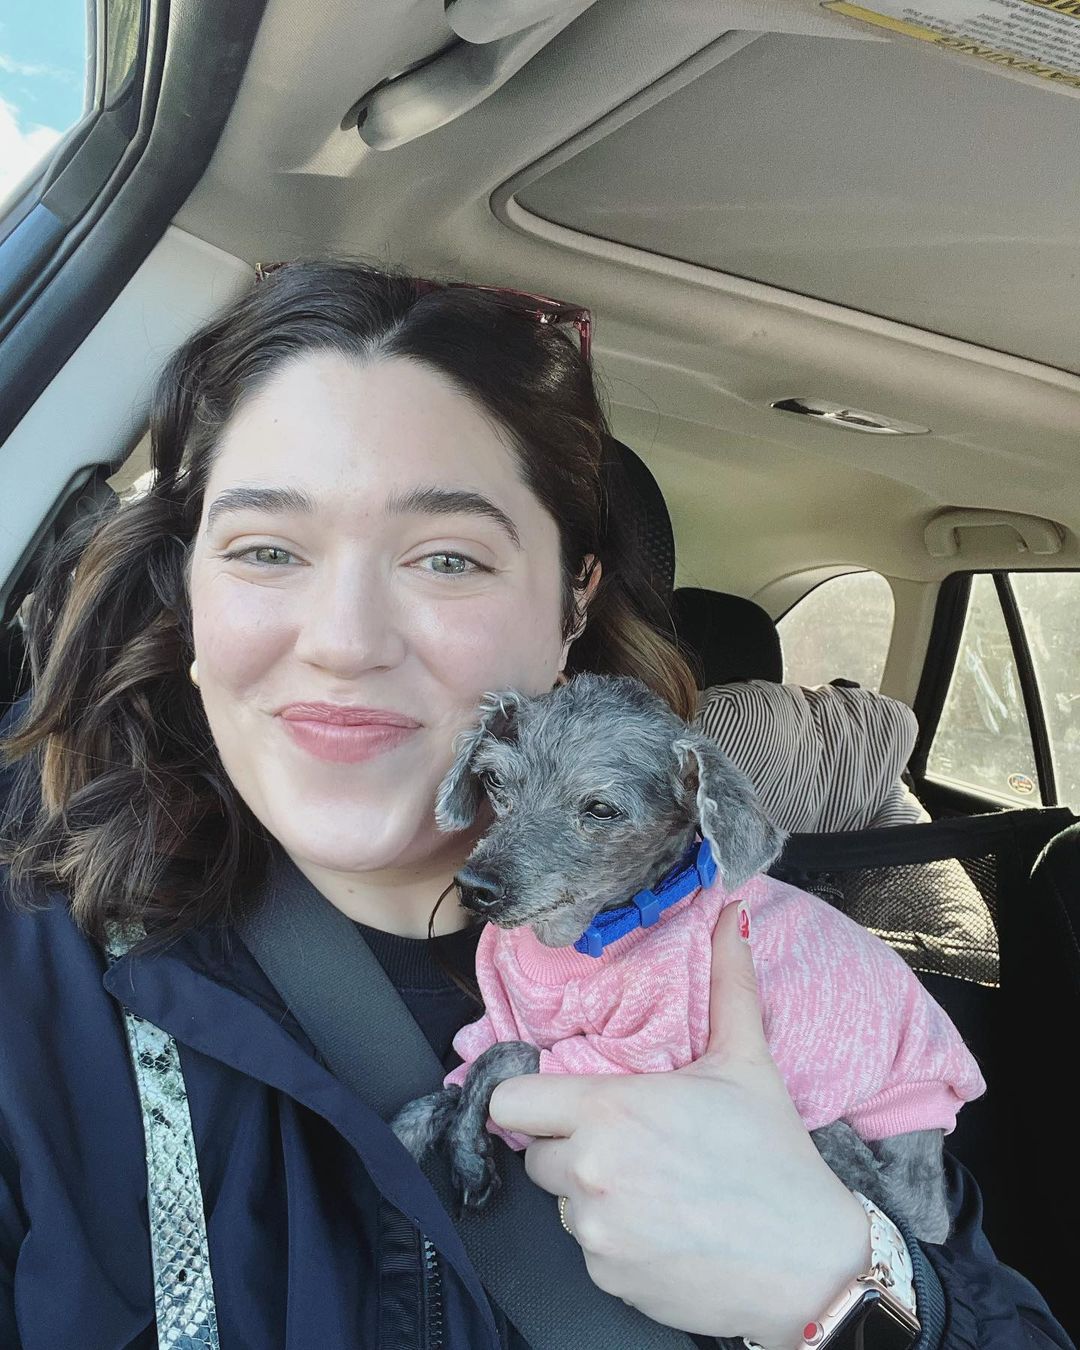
(1049, 608)
(841, 628)
(72, 86)
(983, 741)
(43, 76)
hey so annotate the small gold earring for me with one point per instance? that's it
(193, 672)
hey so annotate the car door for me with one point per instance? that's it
(111, 113)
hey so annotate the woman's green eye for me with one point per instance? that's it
(280, 555)
(457, 564)
(265, 555)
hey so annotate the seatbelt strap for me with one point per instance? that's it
(318, 961)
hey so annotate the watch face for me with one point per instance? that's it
(874, 1324)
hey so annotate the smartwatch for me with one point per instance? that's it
(876, 1311)
(867, 1318)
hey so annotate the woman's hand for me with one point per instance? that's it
(698, 1196)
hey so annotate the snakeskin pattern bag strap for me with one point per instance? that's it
(183, 1290)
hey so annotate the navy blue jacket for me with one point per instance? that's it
(314, 1211)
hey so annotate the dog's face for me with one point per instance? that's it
(596, 790)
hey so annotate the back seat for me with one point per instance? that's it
(1008, 976)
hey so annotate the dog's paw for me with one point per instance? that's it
(421, 1124)
(475, 1178)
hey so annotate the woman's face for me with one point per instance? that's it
(367, 553)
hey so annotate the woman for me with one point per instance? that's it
(373, 500)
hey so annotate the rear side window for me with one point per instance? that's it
(841, 628)
(1049, 608)
(1009, 729)
(983, 742)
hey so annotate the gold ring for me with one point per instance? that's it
(562, 1214)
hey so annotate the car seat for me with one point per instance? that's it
(1020, 1026)
(1042, 1039)
(637, 516)
(726, 637)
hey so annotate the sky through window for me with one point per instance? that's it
(42, 81)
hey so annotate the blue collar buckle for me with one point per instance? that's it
(694, 870)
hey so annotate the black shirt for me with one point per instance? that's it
(417, 968)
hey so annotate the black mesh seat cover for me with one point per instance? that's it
(1011, 986)
(638, 516)
(636, 494)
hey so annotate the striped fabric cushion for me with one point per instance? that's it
(821, 759)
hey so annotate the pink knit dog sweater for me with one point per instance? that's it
(853, 1032)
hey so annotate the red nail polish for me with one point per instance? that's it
(744, 922)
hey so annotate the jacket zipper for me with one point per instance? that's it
(433, 1297)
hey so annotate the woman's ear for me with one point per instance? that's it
(584, 590)
(460, 792)
(742, 838)
(591, 572)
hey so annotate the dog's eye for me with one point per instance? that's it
(601, 811)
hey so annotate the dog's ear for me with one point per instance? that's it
(742, 838)
(460, 792)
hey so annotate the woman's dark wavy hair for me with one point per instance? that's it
(120, 799)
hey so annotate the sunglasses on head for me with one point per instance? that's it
(543, 310)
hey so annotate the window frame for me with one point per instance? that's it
(84, 169)
(60, 270)
(1029, 689)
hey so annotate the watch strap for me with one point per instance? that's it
(890, 1260)
(890, 1268)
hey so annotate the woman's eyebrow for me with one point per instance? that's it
(421, 500)
(451, 502)
(277, 500)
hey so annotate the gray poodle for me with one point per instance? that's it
(597, 790)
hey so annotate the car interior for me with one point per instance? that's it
(833, 285)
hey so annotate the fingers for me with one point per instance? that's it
(734, 1008)
(546, 1105)
(558, 1167)
(548, 1165)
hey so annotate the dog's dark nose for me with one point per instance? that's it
(479, 893)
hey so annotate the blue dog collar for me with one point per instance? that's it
(696, 869)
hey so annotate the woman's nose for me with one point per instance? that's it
(349, 624)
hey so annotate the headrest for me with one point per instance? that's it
(639, 509)
(732, 637)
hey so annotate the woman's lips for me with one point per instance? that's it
(345, 735)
